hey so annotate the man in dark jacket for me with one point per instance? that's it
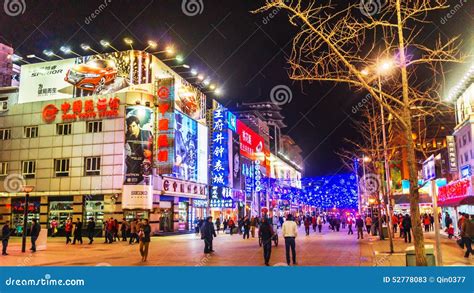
(266, 233)
(360, 227)
(207, 234)
(90, 230)
(5, 237)
(78, 232)
(467, 234)
(406, 223)
(246, 227)
(34, 233)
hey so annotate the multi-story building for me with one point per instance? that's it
(6, 65)
(112, 135)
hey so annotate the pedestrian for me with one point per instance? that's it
(289, 232)
(314, 223)
(231, 226)
(467, 233)
(459, 224)
(266, 234)
(109, 231)
(240, 223)
(447, 220)
(68, 230)
(337, 223)
(426, 222)
(34, 234)
(375, 226)
(450, 231)
(407, 228)
(77, 231)
(319, 221)
(90, 229)
(360, 227)
(349, 225)
(54, 227)
(225, 224)
(115, 230)
(368, 224)
(253, 225)
(124, 229)
(207, 234)
(218, 225)
(431, 222)
(246, 224)
(133, 231)
(5, 237)
(307, 223)
(394, 223)
(144, 236)
(343, 222)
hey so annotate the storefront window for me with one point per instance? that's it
(60, 210)
(94, 208)
(183, 216)
(140, 215)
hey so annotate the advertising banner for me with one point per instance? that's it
(164, 146)
(186, 148)
(453, 162)
(220, 149)
(251, 143)
(137, 186)
(221, 197)
(45, 81)
(236, 168)
(190, 101)
(203, 143)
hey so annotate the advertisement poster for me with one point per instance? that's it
(203, 143)
(236, 168)
(138, 145)
(251, 143)
(186, 148)
(164, 146)
(45, 81)
(190, 101)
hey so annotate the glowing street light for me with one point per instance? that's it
(194, 72)
(200, 77)
(177, 58)
(86, 47)
(129, 42)
(50, 53)
(218, 91)
(16, 58)
(106, 44)
(33, 56)
(67, 50)
(207, 82)
(384, 66)
(169, 50)
(151, 44)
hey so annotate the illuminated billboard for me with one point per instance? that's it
(251, 144)
(202, 153)
(186, 148)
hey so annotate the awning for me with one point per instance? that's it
(458, 201)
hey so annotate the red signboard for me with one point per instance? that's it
(455, 189)
(250, 142)
(165, 131)
(82, 110)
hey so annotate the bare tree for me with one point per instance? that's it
(338, 45)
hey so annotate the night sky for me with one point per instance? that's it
(245, 53)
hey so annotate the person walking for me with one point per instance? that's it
(109, 231)
(368, 224)
(54, 227)
(124, 229)
(5, 237)
(34, 234)
(266, 234)
(289, 232)
(246, 224)
(225, 223)
(426, 222)
(144, 236)
(218, 225)
(253, 225)
(406, 223)
(207, 234)
(90, 229)
(240, 223)
(231, 226)
(447, 220)
(115, 231)
(314, 222)
(432, 219)
(359, 223)
(77, 232)
(68, 230)
(319, 221)
(394, 223)
(307, 223)
(337, 223)
(349, 225)
(133, 232)
(467, 234)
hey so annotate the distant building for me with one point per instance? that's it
(6, 65)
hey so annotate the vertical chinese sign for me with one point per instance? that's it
(164, 146)
(220, 154)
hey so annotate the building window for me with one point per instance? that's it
(460, 157)
(469, 136)
(63, 129)
(61, 167)
(466, 157)
(28, 169)
(3, 104)
(3, 168)
(464, 141)
(93, 126)
(31, 131)
(91, 166)
(5, 133)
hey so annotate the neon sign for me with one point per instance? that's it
(220, 153)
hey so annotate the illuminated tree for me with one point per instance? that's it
(338, 44)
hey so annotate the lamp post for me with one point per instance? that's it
(27, 189)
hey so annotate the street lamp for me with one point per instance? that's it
(86, 47)
(50, 53)
(33, 56)
(67, 50)
(151, 44)
(106, 44)
(169, 50)
(16, 58)
(27, 189)
(129, 42)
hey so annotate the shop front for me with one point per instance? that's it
(454, 198)
(18, 209)
(402, 204)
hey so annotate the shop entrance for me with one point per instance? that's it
(60, 209)
(166, 220)
(183, 216)
(140, 215)
(18, 209)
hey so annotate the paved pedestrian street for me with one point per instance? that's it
(325, 249)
